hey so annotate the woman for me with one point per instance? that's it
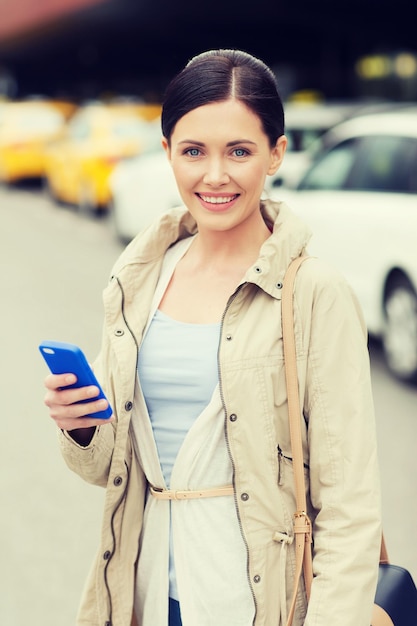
(197, 461)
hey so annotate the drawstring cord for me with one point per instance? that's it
(285, 541)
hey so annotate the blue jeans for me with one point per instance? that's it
(174, 613)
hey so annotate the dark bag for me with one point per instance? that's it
(395, 598)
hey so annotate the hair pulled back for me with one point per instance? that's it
(218, 75)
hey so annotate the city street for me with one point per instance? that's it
(55, 264)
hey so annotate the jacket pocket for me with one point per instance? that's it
(286, 469)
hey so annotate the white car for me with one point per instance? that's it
(360, 199)
(305, 123)
(142, 188)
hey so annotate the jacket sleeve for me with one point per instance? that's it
(344, 473)
(92, 462)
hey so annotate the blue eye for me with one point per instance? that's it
(193, 152)
(240, 152)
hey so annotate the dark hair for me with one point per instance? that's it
(218, 75)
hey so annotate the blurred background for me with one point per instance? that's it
(88, 48)
(82, 171)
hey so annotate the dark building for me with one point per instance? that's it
(87, 48)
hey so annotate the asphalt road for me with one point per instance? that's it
(54, 265)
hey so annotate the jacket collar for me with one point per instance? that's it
(289, 238)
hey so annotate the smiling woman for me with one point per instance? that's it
(198, 528)
(221, 170)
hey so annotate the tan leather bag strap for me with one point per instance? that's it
(384, 554)
(302, 524)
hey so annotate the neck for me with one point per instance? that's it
(236, 247)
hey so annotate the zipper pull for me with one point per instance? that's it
(280, 469)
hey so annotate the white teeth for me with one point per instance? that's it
(217, 199)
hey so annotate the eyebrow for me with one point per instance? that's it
(229, 143)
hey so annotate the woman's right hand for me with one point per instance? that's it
(64, 410)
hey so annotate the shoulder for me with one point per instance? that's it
(320, 288)
(151, 244)
(318, 275)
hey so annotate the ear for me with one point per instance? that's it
(277, 154)
(166, 147)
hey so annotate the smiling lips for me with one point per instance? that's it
(218, 202)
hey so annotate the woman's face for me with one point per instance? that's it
(220, 156)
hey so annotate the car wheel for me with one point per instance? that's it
(400, 332)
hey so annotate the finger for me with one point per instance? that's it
(77, 410)
(70, 396)
(55, 381)
(82, 422)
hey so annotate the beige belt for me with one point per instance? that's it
(172, 494)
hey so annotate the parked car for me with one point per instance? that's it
(305, 122)
(142, 188)
(26, 128)
(305, 125)
(98, 136)
(360, 199)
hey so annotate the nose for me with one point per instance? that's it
(215, 173)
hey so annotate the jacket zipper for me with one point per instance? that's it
(229, 302)
(113, 534)
(110, 621)
(125, 319)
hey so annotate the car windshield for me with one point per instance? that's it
(148, 133)
(332, 169)
(372, 163)
(37, 120)
(385, 163)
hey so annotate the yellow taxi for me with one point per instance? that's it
(26, 128)
(98, 136)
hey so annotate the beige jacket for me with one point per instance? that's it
(338, 431)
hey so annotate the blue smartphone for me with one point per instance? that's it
(66, 358)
